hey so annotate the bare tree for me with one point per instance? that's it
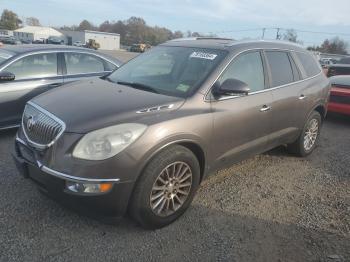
(332, 46)
(32, 21)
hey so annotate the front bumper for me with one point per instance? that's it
(53, 183)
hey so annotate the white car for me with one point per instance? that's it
(78, 43)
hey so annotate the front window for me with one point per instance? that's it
(248, 68)
(174, 71)
(34, 66)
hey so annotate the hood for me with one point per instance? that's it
(93, 104)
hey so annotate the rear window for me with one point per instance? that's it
(281, 68)
(310, 65)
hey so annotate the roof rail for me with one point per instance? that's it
(201, 38)
(213, 38)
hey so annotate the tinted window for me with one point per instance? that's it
(309, 63)
(34, 66)
(281, 68)
(77, 63)
(248, 68)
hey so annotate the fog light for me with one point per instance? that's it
(88, 187)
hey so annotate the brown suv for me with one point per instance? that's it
(142, 139)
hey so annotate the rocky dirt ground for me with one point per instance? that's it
(274, 207)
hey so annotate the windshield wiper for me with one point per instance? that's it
(138, 86)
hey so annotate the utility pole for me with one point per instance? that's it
(278, 33)
(263, 33)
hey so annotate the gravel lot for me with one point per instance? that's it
(274, 207)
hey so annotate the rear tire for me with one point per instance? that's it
(308, 139)
(166, 188)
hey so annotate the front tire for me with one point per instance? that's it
(309, 136)
(166, 188)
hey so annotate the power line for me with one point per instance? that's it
(263, 29)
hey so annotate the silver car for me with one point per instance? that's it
(29, 70)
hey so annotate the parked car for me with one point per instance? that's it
(344, 60)
(78, 44)
(55, 41)
(325, 62)
(29, 70)
(338, 69)
(339, 101)
(143, 138)
(10, 41)
(140, 48)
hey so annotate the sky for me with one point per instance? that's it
(227, 18)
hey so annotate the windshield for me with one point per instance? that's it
(174, 71)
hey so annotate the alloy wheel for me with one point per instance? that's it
(311, 134)
(171, 189)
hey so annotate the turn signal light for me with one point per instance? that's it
(88, 188)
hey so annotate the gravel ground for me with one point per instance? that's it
(274, 207)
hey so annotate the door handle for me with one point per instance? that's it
(265, 108)
(302, 96)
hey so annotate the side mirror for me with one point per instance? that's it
(6, 76)
(232, 86)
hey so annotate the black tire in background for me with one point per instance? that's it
(140, 205)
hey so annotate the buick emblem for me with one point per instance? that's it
(30, 123)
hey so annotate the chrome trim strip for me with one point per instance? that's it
(74, 178)
(9, 127)
(156, 108)
(20, 140)
(266, 90)
(43, 146)
(256, 92)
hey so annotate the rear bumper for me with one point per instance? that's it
(339, 108)
(111, 204)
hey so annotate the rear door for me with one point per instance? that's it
(288, 97)
(34, 74)
(79, 66)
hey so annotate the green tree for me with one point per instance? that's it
(9, 20)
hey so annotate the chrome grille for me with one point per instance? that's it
(40, 127)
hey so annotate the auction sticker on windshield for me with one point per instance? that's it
(203, 55)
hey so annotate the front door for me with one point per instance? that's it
(242, 123)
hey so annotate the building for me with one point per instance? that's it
(37, 33)
(6, 33)
(107, 41)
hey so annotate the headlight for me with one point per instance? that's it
(107, 142)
